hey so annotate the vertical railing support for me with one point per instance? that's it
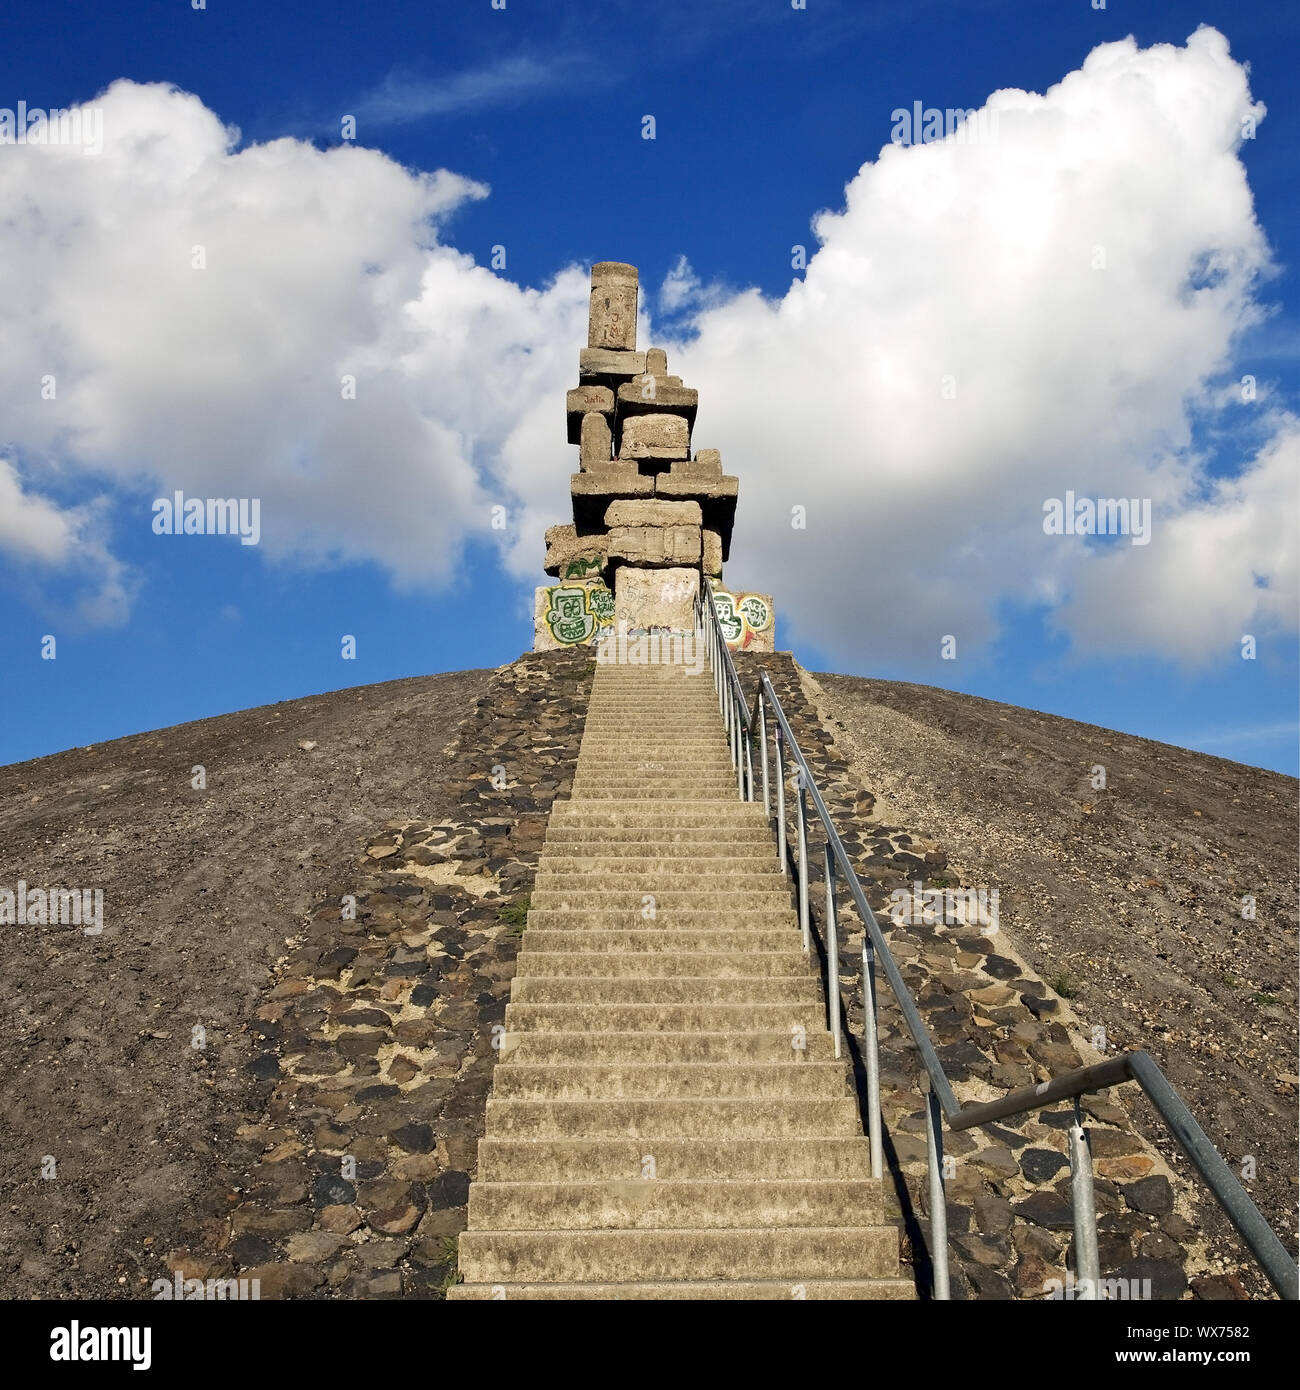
(748, 793)
(762, 739)
(871, 1053)
(832, 953)
(938, 1197)
(803, 861)
(1087, 1262)
(780, 806)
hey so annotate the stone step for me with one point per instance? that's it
(566, 871)
(705, 815)
(645, 786)
(655, 1204)
(591, 1080)
(666, 714)
(750, 1253)
(677, 706)
(823, 1157)
(599, 842)
(737, 901)
(659, 765)
(657, 818)
(732, 1290)
(749, 1117)
(593, 936)
(633, 787)
(601, 745)
(660, 989)
(604, 964)
(636, 791)
(674, 1049)
(673, 1018)
(646, 730)
(632, 917)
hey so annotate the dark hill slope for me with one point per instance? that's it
(201, 889)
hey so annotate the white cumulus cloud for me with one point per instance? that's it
(986, 325)
(983, 325)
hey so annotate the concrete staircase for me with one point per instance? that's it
(653, 1131)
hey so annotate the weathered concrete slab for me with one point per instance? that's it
(635, 512)
(711, 554)
(571, 556)
(670, 484)
(595, 364)
(655, 436)
(612, 318)
(596, 443)
(706, 465)
(655, 546)
(660, 598)
(646, 395)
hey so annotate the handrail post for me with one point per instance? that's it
(1087, 1262)
(762, 738)
(780, 806)
(832, 953)
(871, 1049)
(938, 1198)
(803, 861)
(749, 764)
(718, 662)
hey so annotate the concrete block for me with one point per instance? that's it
(711, 561)
(674, 484)
(612, 319)
(599, 364)
(662, 598)
(595, 442)
(655, 436)
(651, 395)
(582, 400)
(655, 546)
(570, 556)
(628, 512)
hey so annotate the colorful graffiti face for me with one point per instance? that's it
(741, 617)
(574, 612)
(755, 612)
(732, 623)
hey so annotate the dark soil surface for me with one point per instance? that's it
(1127, 899)
(201, 891)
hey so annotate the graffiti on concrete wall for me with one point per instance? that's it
(573, 614)
(746, 619)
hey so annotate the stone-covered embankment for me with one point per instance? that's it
(997, 1026)
(348, 1176)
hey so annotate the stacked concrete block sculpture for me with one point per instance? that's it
(651, 522)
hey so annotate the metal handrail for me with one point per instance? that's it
(941, 1102)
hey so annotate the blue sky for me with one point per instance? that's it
(763, 115)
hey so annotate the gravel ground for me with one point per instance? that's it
(201, 890)
(1127, 899)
